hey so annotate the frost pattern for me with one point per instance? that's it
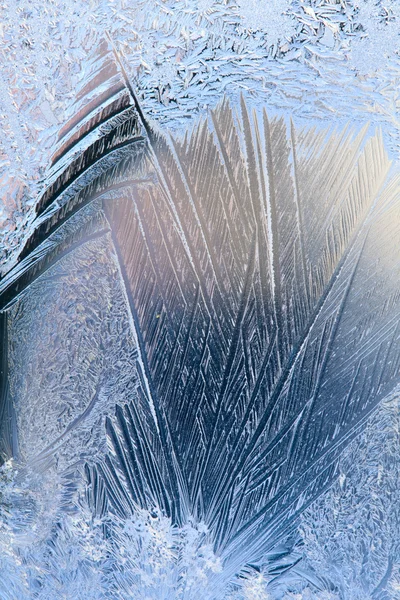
(314, 57)
(89, 558)
(271, 17)
(53, 406)
(196, 358)
(350, 538)
(379, 40)
(352, 533)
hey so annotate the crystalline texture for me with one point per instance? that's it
(317, 59)
(209, 320)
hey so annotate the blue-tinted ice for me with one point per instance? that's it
(196, 328)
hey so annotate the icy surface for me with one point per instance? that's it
(83, 341)
(317, 58)
(351, 534)
(209, 336)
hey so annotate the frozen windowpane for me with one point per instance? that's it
(195, 329)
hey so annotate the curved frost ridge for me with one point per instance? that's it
(181, 55)
(199, 326)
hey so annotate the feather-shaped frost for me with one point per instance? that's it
(256, 277)
(258, 264)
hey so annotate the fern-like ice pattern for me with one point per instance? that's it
(235, 291)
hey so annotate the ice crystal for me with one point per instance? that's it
(144, 556)
(151, 376)
(352, 533)
(380, 37)
(161, 560)
(134, 478)
(182, 56)
(270, 16)
(254, 588)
